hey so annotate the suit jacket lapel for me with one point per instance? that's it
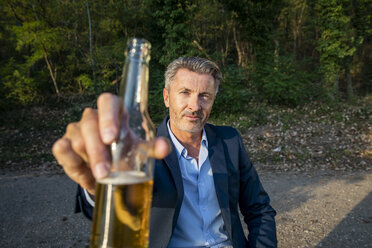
(172, 162)
(220, 174)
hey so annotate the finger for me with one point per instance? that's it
(108, 114)
(159, 148)
(73, 165)
(97, 152)
(73, 133)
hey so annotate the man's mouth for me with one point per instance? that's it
(192, 117)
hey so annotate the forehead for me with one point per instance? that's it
(186, 78)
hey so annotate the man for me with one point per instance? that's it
(199, 185)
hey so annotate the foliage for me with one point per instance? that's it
(285, 81)
(173, 17)
(157, 109)
(85, 82)
(280, 52)
(338, 40)
(233, 88)
(22, 89)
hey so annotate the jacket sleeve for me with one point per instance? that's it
(82, 204)
(254, 204)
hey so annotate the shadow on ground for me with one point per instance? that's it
(322, 209)
(325, 209)
(355, 230)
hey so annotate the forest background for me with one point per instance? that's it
(297, 84)
(272, 53)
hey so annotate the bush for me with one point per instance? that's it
(157, 110)
(85, 82)
(18, 88)
(234, 92)
(284, 82)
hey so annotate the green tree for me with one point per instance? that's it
(174, 16)
(338, 41)
(272, 50)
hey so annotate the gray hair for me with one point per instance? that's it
(195, 64)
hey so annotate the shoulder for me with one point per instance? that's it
(224, 132)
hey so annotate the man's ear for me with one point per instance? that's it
(166, 97)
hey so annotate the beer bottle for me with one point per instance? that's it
(123, 199)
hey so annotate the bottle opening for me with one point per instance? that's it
(139, 49)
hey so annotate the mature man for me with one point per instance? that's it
(199, 185)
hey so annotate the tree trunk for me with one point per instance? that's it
(349, 89)
(52, 75)
(336, 88)
(91, 49)
(297, 31)
(295, 41)
(225, 51)
(238, 50)
(276, 54)
(201, 49)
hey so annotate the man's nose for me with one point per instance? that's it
(194, 103)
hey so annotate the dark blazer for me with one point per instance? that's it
(236, 183)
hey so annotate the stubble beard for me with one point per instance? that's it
(199, 126)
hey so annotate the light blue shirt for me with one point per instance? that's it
(200, 222)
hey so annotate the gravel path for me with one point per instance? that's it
(323, 209)
(38, 211)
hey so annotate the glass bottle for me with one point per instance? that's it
(123, 199)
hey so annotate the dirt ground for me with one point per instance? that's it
(318, 209)
(317, 170)
(322, 209)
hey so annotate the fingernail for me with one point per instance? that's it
(102, 170)
(108, 135)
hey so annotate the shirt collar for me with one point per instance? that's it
(181, 150)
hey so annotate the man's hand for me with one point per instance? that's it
(83, 150)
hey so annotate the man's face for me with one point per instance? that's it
(189, 99)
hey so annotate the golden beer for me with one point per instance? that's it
(123, 199)
(122, 210)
